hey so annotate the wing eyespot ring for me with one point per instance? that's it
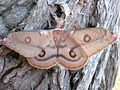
(72, 54)
(42, 53)
(87, 38)
(28, 39)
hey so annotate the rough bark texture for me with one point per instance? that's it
(35, 15)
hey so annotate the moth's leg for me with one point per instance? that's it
(4, 50)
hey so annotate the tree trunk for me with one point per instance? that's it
(36, 15)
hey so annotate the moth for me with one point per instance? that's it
(70, 49)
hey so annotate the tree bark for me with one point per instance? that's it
(37, 15)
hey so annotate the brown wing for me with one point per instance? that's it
(28, 44)
(93, 40)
